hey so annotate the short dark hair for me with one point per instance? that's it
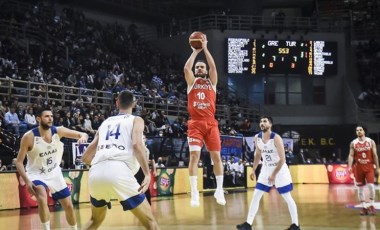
(125, 99)
(41, 110)
(360, 125)
(270, 119)
(202, 61)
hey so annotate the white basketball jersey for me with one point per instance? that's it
(44, 158)
(115, 141)
(268, 150)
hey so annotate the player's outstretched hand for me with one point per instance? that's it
(83, 139)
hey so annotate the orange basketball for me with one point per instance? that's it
(195, 40)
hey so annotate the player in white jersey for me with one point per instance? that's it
(44, 151)
(274, 172)
(115, 155)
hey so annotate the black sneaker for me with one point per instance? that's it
(293, 227)
(244, 226)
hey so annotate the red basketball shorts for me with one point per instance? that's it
(364, 175)
(203, 131)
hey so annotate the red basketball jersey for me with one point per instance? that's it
(363, 153)
(201, 99)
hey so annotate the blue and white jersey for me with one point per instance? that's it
(44, 158)
(115, 141)
(271, 158)
(268, 150)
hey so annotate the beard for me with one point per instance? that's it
(264, 129)
(45, 126)
(202, 75)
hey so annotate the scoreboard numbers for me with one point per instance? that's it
(259, 56)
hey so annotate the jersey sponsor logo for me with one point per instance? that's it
(363, 161)
(120, 147)
(192, 140)
(362, 149)
(43, 170)
(201, 105)
(202, 86)
(48, 153)
(52, 168)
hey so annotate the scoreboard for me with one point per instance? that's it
(259, 56)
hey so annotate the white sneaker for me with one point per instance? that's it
(194, 199)
(219, 196)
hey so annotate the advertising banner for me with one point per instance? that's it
(78, 150)
(73, 181)
(231, 146)
(165, 181)
(338, 174)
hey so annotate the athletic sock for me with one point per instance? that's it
(194, 183)
(46, 225)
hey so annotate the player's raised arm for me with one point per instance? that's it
(188, 69)
(213, 74)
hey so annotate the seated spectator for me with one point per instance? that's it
(63, 164)
(79, 163)
(12, 166)
(95, 123)
(238, 169)
(87, 125)
(30, 119)
(232, 131)
(160, 163)
(12, 123)
(245, 126)
(228, 177)
(302, 158)
(289, 156)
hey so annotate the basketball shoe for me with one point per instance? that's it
(364, 211)
(194, 202)
(293, 227)
(244, 226)
(371, 210)
(219, 196)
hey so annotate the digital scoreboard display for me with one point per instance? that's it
(259, 56)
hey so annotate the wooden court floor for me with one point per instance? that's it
(320, 206)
